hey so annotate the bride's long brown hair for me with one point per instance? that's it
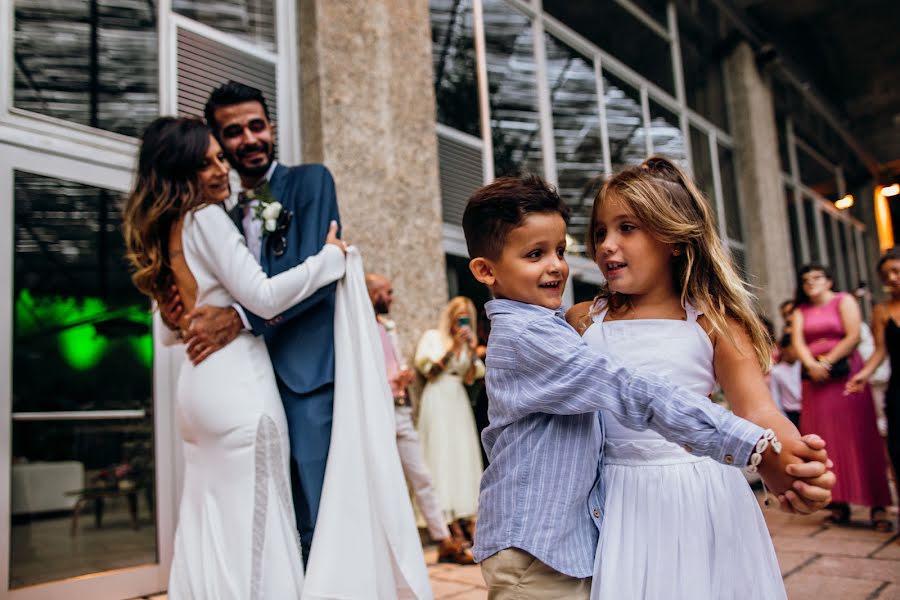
(173, 151)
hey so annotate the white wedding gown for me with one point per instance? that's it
(236, 537)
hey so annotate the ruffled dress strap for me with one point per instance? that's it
(598, 310)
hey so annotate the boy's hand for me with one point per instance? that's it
(804, 457)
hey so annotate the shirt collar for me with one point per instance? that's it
(268, 175)
(504, 306)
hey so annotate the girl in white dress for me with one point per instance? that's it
(446, 357)
(676, 526)
(236, 537)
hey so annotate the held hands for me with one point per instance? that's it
(817, 371)
(800, 476)
(857, 383)
(212, 328)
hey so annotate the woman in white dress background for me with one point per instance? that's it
(236, 535)
(446, 357)
(676, 526)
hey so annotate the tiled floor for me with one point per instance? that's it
(818, 562)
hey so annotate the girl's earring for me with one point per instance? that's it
(676, 252)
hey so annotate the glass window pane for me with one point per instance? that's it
(815, 175)
(794, 221)
(455, 72)
(512, 88)
(624, 122)
(702, 163)
(733, 217)
(620, 33)
(667, 137)
(576, 131)
(251, 20)
(809, 212)
(704, 81)
(835, 261)
(91, 62)
(81, 342)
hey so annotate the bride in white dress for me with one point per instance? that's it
(236, 535)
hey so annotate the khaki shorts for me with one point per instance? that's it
(513, 574)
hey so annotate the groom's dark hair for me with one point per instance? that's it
(228, 94)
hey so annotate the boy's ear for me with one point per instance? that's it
(482, 270)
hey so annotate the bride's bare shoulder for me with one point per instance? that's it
(579, 316)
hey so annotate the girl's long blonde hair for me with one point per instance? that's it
(675, 212)
(166, 188)
(459, 304)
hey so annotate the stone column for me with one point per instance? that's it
(368, 114)
(759, 179)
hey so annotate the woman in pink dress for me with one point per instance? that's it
(825, 336)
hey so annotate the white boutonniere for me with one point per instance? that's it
(269, 212)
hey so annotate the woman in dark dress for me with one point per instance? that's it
(886, 331)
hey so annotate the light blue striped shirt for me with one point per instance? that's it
(541, 492)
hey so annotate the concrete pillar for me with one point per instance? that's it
(368, 114)
(759, 179)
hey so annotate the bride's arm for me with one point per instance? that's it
(225, 253)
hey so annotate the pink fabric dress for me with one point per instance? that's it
(846, 422)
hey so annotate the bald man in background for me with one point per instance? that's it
(450, 549)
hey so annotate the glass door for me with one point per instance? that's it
(87, 514)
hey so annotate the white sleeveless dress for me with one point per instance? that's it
(675, 526)
(236, 537)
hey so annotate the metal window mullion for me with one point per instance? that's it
(645, 113)
(545, 110)
(168, 61)
(678, 74)
(601, 110)
(484, 104)
(638, 13)
(287, 76)
(717, 185)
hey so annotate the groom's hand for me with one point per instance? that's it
(212, 328)
(170, 308)
(796, 453)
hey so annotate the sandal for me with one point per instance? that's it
(454, 551)
(880, 521)
(840, 514)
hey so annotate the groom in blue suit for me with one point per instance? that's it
(300, 340)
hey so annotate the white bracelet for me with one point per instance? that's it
(768, 438)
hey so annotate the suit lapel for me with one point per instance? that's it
(237, 215)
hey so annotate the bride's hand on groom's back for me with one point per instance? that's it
(211, 329)
(333, 239)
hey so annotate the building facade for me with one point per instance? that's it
(412, 106)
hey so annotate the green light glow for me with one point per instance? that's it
(143, 348)
(82, 347)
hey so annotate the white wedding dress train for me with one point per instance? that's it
(236, 537)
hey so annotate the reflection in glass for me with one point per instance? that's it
(455, 72)
(251, 20)
(512, 90)
(794, 220)
(733, 223)
(701, 59)
(666, 135)
(703, 173)
(620, 33)
(81, 340)
(624, 122)
(576, 131)
(90, 62)
(812, 232)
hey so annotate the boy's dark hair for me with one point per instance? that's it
(785, 341)
(228, 94)
(499, 207)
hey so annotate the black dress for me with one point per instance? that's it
(892, 397)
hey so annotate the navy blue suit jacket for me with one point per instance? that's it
(301, 339)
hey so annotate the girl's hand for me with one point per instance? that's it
(857, 383)
(776, 469)
(462, 338)
(332, 238)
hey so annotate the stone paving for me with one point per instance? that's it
(818, 562)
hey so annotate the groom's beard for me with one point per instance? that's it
(250, 170)
(381, 307)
